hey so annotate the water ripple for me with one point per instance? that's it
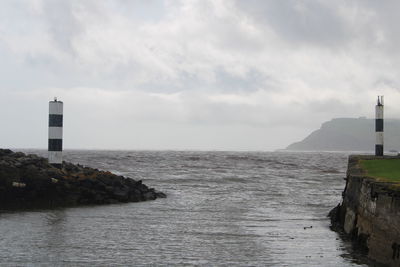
(223, 209)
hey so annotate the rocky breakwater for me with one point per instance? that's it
(370, 214)
(29, 181)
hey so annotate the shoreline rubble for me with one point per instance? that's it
(29, 182)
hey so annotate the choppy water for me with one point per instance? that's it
(223, 208)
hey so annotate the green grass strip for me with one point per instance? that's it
(386, 169)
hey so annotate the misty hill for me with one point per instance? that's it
(350, 134)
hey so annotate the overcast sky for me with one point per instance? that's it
(193, 74)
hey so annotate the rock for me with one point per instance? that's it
(334, 215)
(18, 155)
(16, 184)
(160, 194)
(150, 195)
(29, 181)
(4, 152)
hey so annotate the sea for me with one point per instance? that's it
(222, 209)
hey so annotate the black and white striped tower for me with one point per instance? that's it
(379, 127)
(55, 132)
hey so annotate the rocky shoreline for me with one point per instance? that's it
(370, 214)
(29, 181)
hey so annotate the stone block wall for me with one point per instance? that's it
(370, 213)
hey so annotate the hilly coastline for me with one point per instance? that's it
(349, 134)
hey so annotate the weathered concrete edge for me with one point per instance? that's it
(370, 213)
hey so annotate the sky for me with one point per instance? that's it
(193, 74)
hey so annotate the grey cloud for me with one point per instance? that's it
(390, 82)
(62, 23)
(304, 21)
(252, 81)
(384, 20)
(259, 65)
(143, 11)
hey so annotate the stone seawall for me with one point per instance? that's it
(370, 214)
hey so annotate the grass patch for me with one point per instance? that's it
(384, 169)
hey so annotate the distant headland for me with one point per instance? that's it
(349, 134)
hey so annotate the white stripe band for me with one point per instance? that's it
(379, 112)
(55, 132)
(379, 138)
(56, 107)
(55, 157)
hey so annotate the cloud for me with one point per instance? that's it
(197, 67)
(300, 22)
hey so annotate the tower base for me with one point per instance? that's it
(378, 150)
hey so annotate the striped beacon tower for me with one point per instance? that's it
(55, 132)
(379, 127)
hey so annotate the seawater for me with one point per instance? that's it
(222, 209)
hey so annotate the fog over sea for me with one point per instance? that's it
(222, 209)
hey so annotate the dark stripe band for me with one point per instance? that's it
(55, 144)
(378, 125)
(55, 120)
(378, 150)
